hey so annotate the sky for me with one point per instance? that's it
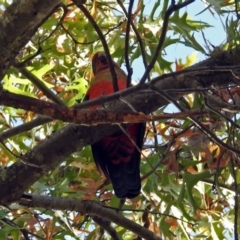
(215, 35)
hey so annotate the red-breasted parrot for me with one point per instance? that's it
(116, 155)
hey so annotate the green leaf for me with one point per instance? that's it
(80, 84)
(191, 180)
(190, 41)
(15, 234)
(9, 85)
(42, 71)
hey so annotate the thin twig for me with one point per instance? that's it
(140, 42)
(91, 42)
(236, 204)
(38, 83)
(198, 124)
(20, 158)
(129, 69)
(24, 231)
(106, 225)
(155, 134)
(23, 63)
(151, 212)
(219, 113)
(164, 155)
(171, 9)
(24, 127)
(102, 38)
(65, 12)
(215, 183)
(236, 9)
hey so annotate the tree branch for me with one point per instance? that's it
(14, 33)
(24, 127)
(138, 36)
(84, 117)
(86, 207)
(39, 84)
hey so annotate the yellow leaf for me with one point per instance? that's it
(93, 11)
(191, 59)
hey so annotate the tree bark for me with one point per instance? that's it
(18, 24)
(92, 208)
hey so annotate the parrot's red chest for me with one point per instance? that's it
(103, 87)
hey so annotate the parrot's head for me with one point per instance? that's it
(100, 62)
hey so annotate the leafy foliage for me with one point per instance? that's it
(191, 194)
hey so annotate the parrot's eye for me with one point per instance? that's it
(102, 58)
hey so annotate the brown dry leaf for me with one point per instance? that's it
(223, 94)
(208, 201)
(206, 155)
(192, 170)
(197, 215)
(124, 26)
(40, 94)
(77, 218)
(106, 196)
(214, 161)
(216, 149)
(58, 89)
(90, 190)
(138, 9)
(187, 133)
(32, 223)
(182, 139)
(4, 159)
(223, 162)
(172, 221)
(88, 75)
(179, 67)
(235, 90)
(49, 229)
(171, 162)
(74, 185)
(154, 228)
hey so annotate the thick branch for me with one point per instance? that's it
(84, 117)
(86, 207)
(17, 26)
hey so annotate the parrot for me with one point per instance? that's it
(116, 155)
